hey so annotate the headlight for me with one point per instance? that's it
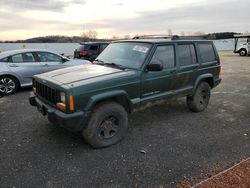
(62, 97)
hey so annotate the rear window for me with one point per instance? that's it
(81, 47)
(207, 52)
(94, 47)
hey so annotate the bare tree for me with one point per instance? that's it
(127, 37)
(91, 34)
(199, 33)
(115, 37)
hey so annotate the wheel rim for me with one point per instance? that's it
(242, 53)
(109, 127)
(7, 85)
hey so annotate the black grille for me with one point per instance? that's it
(47, 93)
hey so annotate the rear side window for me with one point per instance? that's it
(207, 52)
(23, 58)
(165, 56)
(5, 60)
(187, 55)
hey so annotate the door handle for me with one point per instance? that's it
(172, 71)
(13, 65)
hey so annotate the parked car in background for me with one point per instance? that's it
(18, 66)
(89, 50)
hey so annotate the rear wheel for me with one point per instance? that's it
(8, 85)
(199, 101)
(108, 124)
(243, 52)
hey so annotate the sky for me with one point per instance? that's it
(23, 19)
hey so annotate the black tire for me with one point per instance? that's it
(199, 101)
(243, 52)
(108, 124)
(8, 85)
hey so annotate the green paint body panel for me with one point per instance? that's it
(91, 83)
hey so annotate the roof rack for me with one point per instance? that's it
(158, 36)
(173, 37)
(246, 35)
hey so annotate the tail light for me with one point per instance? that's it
(84, 52)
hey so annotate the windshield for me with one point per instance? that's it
(126, 54)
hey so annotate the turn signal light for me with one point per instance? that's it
(71, 103)
(61, 106)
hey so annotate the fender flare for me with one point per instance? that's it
(117, 94)
(203, 77)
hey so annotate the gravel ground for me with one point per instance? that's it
(177, 145)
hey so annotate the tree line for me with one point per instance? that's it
(92, 36)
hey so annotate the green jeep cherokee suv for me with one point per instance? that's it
(97, 98)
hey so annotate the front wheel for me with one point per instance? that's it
(243, 52)
(199, 101)
(108, 124)
(8, 85)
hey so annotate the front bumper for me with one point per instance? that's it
(72, 122)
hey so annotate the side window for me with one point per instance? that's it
(103, 46)
(48, 57)
(165, 56)
(94, 47)
(23, 58)
(5, 60)
(207, 52)
(187, 55)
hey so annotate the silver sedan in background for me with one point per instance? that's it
(18, 66)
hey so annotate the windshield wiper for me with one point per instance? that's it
(99, 62)
(116, 65)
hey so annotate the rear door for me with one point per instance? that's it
(50, 61)
(25, 65)
(187, 67)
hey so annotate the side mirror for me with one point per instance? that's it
(64, 59)
(154, 67)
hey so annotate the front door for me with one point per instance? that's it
(50, 61)
(159, 84)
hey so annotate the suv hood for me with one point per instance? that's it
(80, 73)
